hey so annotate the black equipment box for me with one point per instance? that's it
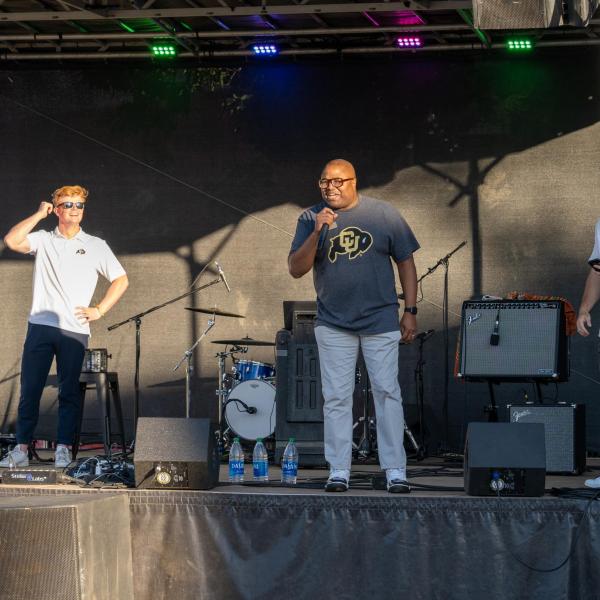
(564, 426)
(513, 340)
(506, 459)
(29, 476)
(173, 453)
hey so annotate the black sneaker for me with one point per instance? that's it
(338, 481)
(398, 486)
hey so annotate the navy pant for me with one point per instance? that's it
(42, 344)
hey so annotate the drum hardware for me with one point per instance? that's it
(219, 313)
(246, 396)
(367, 443)
(137, 319)
(247, 341)
(95, 360)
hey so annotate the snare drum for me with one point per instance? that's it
(254, 394)
(245, 370)
(95, 361)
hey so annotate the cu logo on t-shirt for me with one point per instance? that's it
(352, 241)
(80, 251)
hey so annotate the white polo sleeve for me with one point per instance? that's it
(108, 265)
(596, 251)
(35, 240)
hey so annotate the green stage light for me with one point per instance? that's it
(164, 50)
(519, 44)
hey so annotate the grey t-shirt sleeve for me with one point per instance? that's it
(596, 251)
(304, 227)
(402, 240)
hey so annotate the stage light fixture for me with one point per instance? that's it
(409, 41)
(265, 49)
(519, 44)
(164, 50)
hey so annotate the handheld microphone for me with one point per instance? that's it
(222, 276)
(323, 235)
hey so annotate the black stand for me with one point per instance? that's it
(446, 262)
(137, 319)
(420, 390)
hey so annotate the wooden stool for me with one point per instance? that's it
(106, 384)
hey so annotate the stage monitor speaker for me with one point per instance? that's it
(67, 547)
(564, 426)
(516, 340)
(506, 459)
(175, 454)
(525, 14)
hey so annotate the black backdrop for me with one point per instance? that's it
(181, 162)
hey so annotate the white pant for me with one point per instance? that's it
(338, 352)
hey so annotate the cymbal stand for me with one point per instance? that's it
(189, 367)
(223, 390)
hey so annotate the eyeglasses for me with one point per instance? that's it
(336, 182)
(68, 205)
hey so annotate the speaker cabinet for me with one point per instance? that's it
(513, 340)
(525, 14)
(564, 426)
(68, 547)
(506, 459)
(299, 399)
(176, 454)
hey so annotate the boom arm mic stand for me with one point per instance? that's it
(137, 319)
(445, 261)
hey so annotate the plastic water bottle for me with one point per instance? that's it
(260, 462)
(236, 462)
(289, 463)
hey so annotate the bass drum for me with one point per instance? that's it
(255, 394)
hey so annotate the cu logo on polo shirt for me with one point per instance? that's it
(80, 251)
(352, 241)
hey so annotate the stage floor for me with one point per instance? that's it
(432, 477)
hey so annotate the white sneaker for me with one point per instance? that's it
(338, 480)
(392, 474)
(62, 457)
(591, 483)
(15, 458)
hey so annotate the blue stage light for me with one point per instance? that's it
(265, 49)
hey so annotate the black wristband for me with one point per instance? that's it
(411, 309)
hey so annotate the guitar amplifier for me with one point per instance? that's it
(513, 340)
(564, 426)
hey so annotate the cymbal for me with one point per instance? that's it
(247, 341)
(214, 311)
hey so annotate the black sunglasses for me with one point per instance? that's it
(67, 205)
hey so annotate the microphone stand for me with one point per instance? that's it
(445, 261)
(137, 319)
(189, 368)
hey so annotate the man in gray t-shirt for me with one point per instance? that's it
(350, 241)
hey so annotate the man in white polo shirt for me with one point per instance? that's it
(67, 264)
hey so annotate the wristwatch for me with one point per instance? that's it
(411, 309)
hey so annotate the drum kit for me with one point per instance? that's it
(246, 390)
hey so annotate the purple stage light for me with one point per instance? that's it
(409, 41)
(408, 17)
